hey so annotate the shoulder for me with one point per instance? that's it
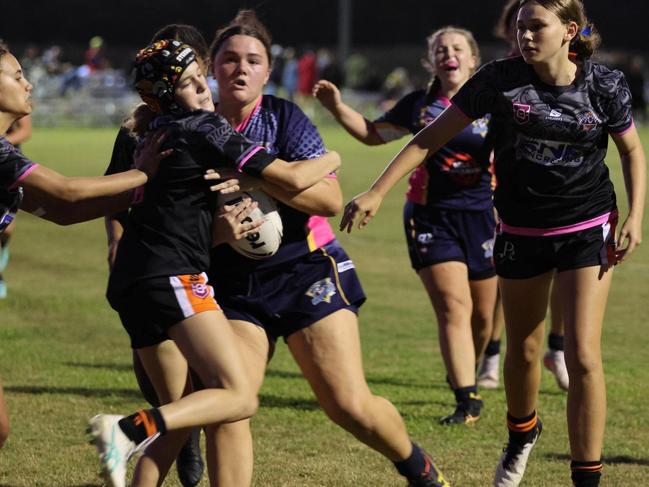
(282, 108)
(604, 80)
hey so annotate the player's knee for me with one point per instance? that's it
(523, 354)
(350, 413)
(583, 361)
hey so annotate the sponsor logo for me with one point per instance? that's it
(549, 152)
(555, 113)
(321, 291)
(344, 266)
(508, 253)
(588, 121)
(522, 112)
(488, 247)
(425, 238)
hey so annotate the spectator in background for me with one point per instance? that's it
(95, 57)
(289, 73)
(307, 72)
(329, 68)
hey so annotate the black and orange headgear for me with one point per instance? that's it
(158, 67)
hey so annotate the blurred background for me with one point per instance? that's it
(78, 53)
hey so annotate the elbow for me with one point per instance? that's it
(332, 208)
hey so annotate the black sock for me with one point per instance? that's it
(413, 466)
(493, 348)
(586, 474)
(143, 424)
(463, 394)
(555, 342)
(521, 428)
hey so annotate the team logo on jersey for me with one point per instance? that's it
(321, 290)
(522, 112)
(508, 253)
(480, 127)
(200, 290)
(588, 121)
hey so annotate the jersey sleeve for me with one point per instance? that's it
(122, 157)
(301, 139)
(619, 112)
(14, 166)
(239, 152)
(396, 122)
(477, 96)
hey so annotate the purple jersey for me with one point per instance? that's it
(14, 167)
(550, 141)
(286, 132)
(458, 176)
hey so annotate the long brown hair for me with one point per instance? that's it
(587, 39)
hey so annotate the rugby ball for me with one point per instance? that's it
(268, 237)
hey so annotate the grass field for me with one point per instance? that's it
(64, 356)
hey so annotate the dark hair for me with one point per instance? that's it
(245, 23)
(502, 30)
(587, 39)
(186, 34)
(435, 83)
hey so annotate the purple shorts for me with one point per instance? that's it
(294, 294)
(436, 235)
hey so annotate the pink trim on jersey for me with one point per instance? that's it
(418, 186)
(242, 126)
(320, 232)
(625, 130)
(23, 176)
(252, 153)
(445, 101)
(549, 232)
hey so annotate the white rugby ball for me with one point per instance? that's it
(268, 237)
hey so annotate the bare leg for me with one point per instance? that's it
(525, 304)
(329, 354)
(483, 295)
(556, 319)
(229, 445)
(448, 288)
(584, 293)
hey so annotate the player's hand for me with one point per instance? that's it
(629, 238)
(363, 206)
(328, 94)
(147, 155)
(224, 181)
(233, 222)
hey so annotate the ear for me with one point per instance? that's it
(473, 63)
(270, 70)
(572, 29)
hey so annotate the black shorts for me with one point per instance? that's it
(436, 235)
(150, 307)
(292, 295)
(522, 257)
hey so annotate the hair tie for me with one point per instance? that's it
(586, 31)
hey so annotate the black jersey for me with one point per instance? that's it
(122, 160)
(170, 231)
(14, 167)
(550, 141)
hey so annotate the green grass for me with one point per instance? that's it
(64, 356)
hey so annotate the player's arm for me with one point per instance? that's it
(114, 232)
(300, 175)
(352, 121)
(428, 141)
(634, 169)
